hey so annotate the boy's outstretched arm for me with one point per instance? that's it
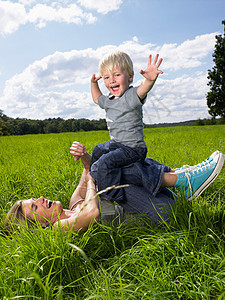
(95, 90)
(150, 74)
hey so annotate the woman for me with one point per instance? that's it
(83, 207)
(145, 193)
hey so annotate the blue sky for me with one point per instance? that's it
(50, 49)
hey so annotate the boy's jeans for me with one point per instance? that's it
(107, 160)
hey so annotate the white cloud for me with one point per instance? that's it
(41, 14)
(26, 2)
(101, 6)
(12, 15)
(59, 84)
(189, 54)
(178, 99)
(55, 71)
(51, 104)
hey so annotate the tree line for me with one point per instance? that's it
(21, 126)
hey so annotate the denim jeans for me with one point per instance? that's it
(143, 196)
(148, 175)
(107, 161)
(138, 201)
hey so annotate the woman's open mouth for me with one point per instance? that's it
(50, 203)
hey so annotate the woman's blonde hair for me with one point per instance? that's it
(116, 59)
(16, 218)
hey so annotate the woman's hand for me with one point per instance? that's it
(77, 150)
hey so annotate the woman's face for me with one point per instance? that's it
(45, 211)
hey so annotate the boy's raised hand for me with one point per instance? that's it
(95, 78)
(152, 72)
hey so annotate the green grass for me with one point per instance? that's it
(181, 260)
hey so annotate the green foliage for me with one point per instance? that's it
(180, 260)
(221, 120)
(216, 95)
(201, 122)
(18, 126)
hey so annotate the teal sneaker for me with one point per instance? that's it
(203, 163)
(194, 180)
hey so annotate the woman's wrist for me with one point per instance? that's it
(90, 181)
(90, 184)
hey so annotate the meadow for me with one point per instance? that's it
(184, 259)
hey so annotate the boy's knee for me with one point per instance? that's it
(107, 162)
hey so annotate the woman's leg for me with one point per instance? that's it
(138, 201)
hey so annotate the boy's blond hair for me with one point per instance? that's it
(116, 59)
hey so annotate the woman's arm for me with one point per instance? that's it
(81, 190)
(78, 150)
(88, 210)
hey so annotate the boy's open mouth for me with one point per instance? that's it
(115, 88)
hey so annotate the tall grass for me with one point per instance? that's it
(180, 260)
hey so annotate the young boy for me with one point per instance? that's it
(124, 117)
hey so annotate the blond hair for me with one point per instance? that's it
(116, 59)
(15, 218)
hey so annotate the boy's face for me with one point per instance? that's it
(117, 81)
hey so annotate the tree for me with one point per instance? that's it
(3, 128)
(216, 95)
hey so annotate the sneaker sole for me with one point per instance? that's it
(211, 178)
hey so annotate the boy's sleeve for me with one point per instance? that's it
(102, 101)
(132, 98)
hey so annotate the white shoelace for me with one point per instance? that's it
(202, 164)
(192, 169)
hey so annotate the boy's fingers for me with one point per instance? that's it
(159, 62)
(150, 59)
(155, 59)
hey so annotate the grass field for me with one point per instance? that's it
(182, 260)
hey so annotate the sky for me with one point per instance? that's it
(50, 49)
